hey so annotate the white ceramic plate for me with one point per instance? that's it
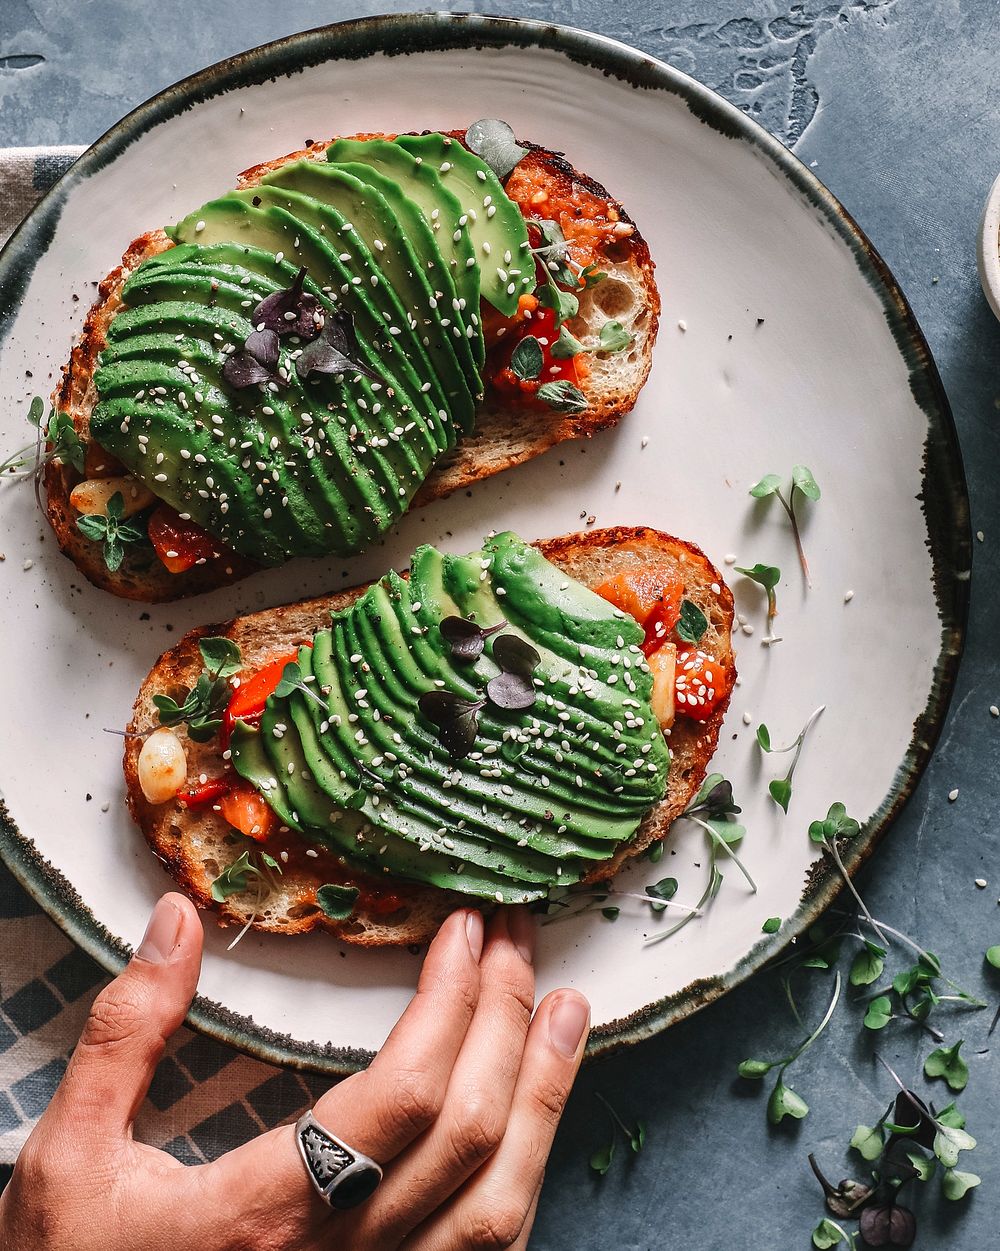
(783, 340)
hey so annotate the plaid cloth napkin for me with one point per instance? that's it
(205, 1098)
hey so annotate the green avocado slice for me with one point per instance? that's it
(465, 328)
(235, 219)
(440, 209)
(373, 219)
(496, 225)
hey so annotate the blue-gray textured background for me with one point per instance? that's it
(895, 104)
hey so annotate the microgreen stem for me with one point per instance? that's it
(789, 507)
(601, 896)
(614, 1115)
(831, 847)
(834, 1000)
(722, 845)
(786, 982)
(711, 890)
(253, 916)
(928, 957)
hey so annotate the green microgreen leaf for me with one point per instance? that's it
(493, 141)
(566, 345)
(946, 1062)
(763, 738)
(924, 1166)
(221, 656)
(654, 852)
(611, 914)
(526, 359)
(767, 576)
(771, 925)
(563, 396)
(563, 303)
(770, 484)
(754, 1070)
(869, 1141)
(601, 1160)
(828, 1234)
(665, 888)
(780, 790)
(949, 1141)
(951, 1116)
(590, 276)
(837, 824)
(785, 1102)
(110, 529)
(879, 1013)
(956, 1185)
(868, 965)
(803, 480)
(337, 902)
(236, 877)
(614, 337)
(993, 956)
(692, 622)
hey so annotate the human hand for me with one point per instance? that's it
(459, 1107)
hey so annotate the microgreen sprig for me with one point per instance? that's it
(804, 484)
(784, 1101)
(111, 530)
(714, 810)
(613, 338)
(202, 707)
(601, 1160)
(767, 576)
(58, 432)
(236, 878)
(780, 789)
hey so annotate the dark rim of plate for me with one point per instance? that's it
(943, 497)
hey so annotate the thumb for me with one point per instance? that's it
(130, 1022)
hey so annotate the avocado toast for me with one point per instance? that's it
(290, 367)
(485, 729)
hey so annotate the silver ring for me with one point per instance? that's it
(341, 1176)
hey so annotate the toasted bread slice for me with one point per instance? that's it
(196, 846)
(506, 433)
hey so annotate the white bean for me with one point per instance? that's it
(662, 664)
(162, 766)
(91, 496)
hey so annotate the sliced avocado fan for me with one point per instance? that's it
(400, 241)
(543, 794)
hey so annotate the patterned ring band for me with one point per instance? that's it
(342, 1177)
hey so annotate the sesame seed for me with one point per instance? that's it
(953, 795)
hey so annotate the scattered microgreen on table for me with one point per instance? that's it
(602, 1159)
(803, 484)
(780, 789)
(767, 576)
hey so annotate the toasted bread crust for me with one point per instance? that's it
(505, 435)
(192, 846)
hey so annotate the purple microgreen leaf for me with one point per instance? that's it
(256, 363)
(465, 637)
(456, 719)
(335, 350)
(888, 1225)
(510, 691)
(292, 311)
(515, 656)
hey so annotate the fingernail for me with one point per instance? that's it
(521, 928)
(568, 1022)
(161, 933)
(475, 930)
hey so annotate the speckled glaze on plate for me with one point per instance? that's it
(784, 339)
